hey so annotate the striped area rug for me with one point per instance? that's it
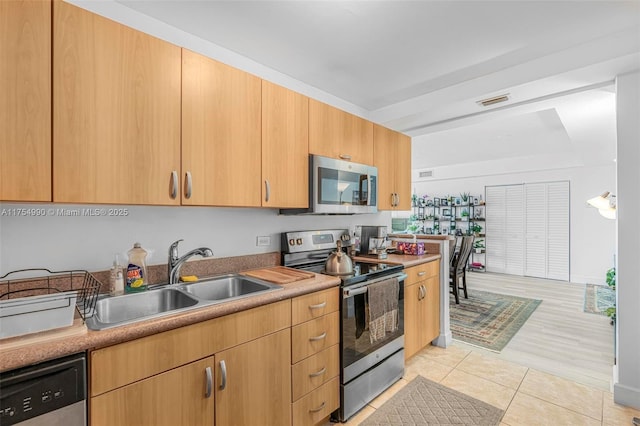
(489, 320)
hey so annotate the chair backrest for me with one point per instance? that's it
(465, 251)
(452, 251)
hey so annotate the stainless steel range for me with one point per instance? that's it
(371, 359)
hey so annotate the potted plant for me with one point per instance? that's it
(476, 229)
(414, 200)
(478, 246)
(464, 215)
(611, 282)
(465, 197)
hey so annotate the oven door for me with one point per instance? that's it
(358, 352)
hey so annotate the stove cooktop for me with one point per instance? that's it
(362, 271)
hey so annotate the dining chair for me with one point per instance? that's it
(457, 271)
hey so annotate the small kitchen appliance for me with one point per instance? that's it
(371, 241)
(368, 365)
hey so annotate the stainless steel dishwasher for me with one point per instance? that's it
(51, 393)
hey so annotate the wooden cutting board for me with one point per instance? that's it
(280, 274)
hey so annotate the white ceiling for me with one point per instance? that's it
(420, 66)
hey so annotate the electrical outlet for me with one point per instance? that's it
(263, 240)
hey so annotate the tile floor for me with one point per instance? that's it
(528, 396)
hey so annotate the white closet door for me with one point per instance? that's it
(495, 240)
(558, 231)
(514, 230)
(536, 230)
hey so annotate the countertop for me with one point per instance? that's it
(402, 259)
(26, 350)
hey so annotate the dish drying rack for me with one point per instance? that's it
(45, 299)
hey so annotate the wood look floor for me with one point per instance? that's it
(559, 337)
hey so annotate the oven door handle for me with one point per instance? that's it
(350, 293)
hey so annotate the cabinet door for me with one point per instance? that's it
(221, 148)
(25, 100)
(412, 320)
(431, 310)
(337, 134)
(176, 397)
(285, 147)
(116, 121)
(253, 382)
(392, 157)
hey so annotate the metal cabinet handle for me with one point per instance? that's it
(209, 374)
(174, 185)
(267, 190)
(318, 306)
(318, 373)
(421, 273)
(423, 289)
(223, 375)
(345, 157)
(316, 338)
(315, 410)
(187, 185)
(393, 199)
(397, 199)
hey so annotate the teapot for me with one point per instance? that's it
(338, 262)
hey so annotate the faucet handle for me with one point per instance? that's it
(173, 250)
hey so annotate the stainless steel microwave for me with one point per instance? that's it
(340, 187)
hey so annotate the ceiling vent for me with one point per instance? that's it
(494, 100)
(426, 174)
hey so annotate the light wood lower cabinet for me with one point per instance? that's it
(176, 397)
(421, 307)
(253, 382)
(315, 356)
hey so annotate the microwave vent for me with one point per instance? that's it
(426, 174)
(494, 100)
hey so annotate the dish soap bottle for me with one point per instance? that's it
(137, 269)
(117, 278)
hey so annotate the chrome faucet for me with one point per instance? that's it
(175, 262)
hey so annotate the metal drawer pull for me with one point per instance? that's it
(319, 373)
(209, 374)
(315, 410)
(174, 185)
(187, 186)
(318, 306)
(345, 157)
(421, 273)
(223, 374)
(397, 199)
(267, 190)
(316, 338)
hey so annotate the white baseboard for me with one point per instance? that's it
(626, 395)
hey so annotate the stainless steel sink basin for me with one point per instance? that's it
(228, 287)
(130, 308)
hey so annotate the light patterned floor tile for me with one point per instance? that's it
(527, 410)
(502, 372)
(616, 415)
(359, 416)
(479, 388)
(563, 392)
(451, 356)
(422, 365)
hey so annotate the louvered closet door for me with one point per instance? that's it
(558, 231)
(495, 241)
(536, 230)
(514, 230)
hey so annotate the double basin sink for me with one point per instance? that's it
(155, 303)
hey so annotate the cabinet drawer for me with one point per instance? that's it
(317, 405)
(314, 305)
(422, 272)
(314, 336)
(312, 372)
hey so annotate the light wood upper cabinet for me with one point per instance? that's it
(285, 147)
(25, 100)
(176, 397)
(392, 157)
(337, 134)
(116, 105)
(253, 382)
(221, 132)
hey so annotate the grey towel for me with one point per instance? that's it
(383, 308)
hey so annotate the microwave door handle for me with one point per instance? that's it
(360, 199)
(368, 190)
